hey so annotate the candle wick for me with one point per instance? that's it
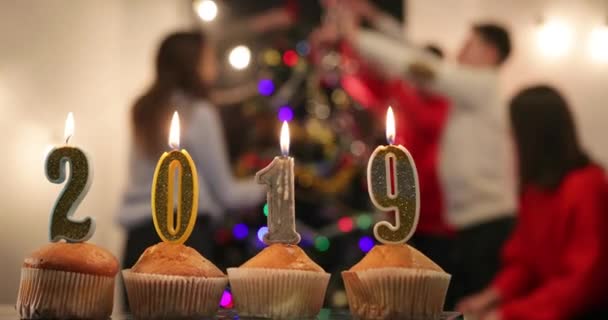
(67, 139)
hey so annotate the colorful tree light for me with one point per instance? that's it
(290, 58)
(226, 300)
(303, 48)
(266, 87)
(364, 221)
(240, 231)
(285, 114)
(265, 209)
(366, 243)
(345, 224)
(261, 233)
(322, 243)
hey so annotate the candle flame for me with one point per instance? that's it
(68, 131)
(390, 126)
(174, 131)
(285, 139)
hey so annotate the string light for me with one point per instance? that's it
(322, 243)
(345, 224)
(226, 300)
(265, 209)
(261, 233)
(598, 44)
(239, 57)
(290, 58)
(364, 221)
(266, 87)
(303, 48)
(285, 114)
(240, 231)
(366, 243)
(554, 38)
(205, 9)
(271, 57)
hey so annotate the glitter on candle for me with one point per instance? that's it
(266, 87)
(366, 243)
(322, 243)
(285, 114)
(226, 300)
(261, 233)
(345, 224)
(240, 231)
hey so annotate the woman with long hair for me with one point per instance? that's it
(554, 265)
(185, 67)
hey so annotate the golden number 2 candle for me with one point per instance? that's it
(169, 226)
(62, 226)
(393, 186)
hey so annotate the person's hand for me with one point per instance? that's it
(492, 315)
(479, 304)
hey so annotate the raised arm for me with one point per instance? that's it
(460, 83)
(205, 141)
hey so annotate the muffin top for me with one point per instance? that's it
(73, 257)
(175, 260)
(395, 256)
(283, 256)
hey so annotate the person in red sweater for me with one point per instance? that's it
(554, 265)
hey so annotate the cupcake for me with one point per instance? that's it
(173, 281)
(279, 282)
(396, 281)
(67, 281)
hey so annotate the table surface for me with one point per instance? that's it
(8, 313)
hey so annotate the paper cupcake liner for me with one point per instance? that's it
(396, 293)
(163, 296)
(277, 293)
(64, 295)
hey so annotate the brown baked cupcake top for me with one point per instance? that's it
(73, 257)
(395, 256)
(283, 256)
(175, 260)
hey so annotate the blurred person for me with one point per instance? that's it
(474, 160)
(185, 68)
(554, 264)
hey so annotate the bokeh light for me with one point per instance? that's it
(205, 9)
(261, 233)
(554, 38)
(290, 58)
(598, 44)
(366, 243)
(240, 231)
(364, 221)
(226, 300)
(345, 224)
(266, 87)
(265, 209)
(303, 48)
(285, 114)
(322, 243)
(271, 57)
(239, 57)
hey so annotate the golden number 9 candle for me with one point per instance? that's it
(392, 181)
(62, 226)
(174, 165)
(278, 177)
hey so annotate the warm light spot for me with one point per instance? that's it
(285, 139)
(174, 131)
(205, 9)
(554, 38)
(239, 57)
(598, 44)
(390, 126)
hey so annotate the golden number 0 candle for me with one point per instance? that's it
(393, 186)
(163, 189)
